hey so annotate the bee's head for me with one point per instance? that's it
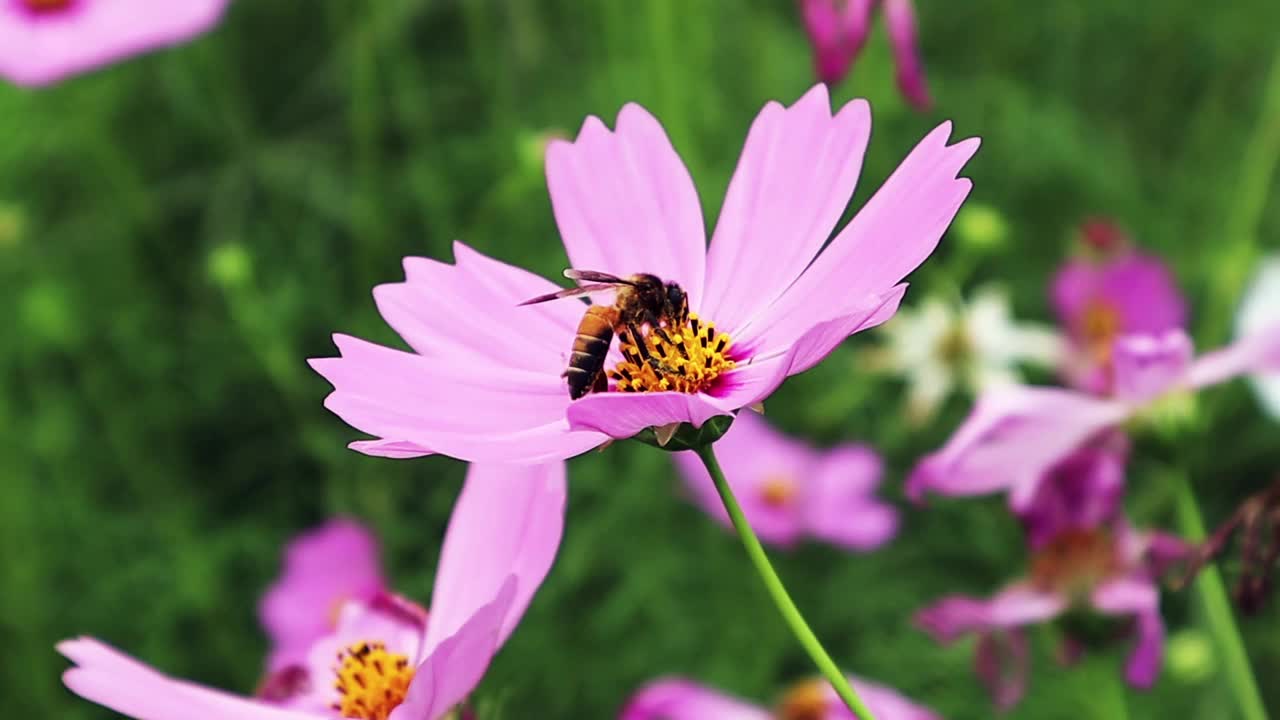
(677, 301)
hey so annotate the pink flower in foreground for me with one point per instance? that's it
(1016, 433)
(1100, 301)
(485, 379)
(386, 657)
(679, 699)
(323, 569)
(838, 30)
(1084, 555)
(790, 490)
(43, 41)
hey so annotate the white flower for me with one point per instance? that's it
(939, 346)
(1259, 310)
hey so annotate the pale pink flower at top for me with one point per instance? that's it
(1016, 433)
(791, 490)
(838, 31)
(43, 41)
(1084, 555)
(767, 300)
(386, 658)
(323, 569)
(675, 698)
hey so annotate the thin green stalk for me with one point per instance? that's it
(1217, 610)
(786, 606)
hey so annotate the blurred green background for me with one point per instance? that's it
(178, 233)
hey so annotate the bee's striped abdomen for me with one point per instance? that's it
(590, 346)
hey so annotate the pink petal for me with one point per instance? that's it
(1014, 435)
(837, 31)
(456, 665)
(1146, 366)
(840, 506)
(1256, 352)
(105, 676)
(507, 523)
(394, 449)
(466, 410)
(41, 49)
(893, 233)
(753, 455)
(621, 415)
(900, 18)
(883, 701)
(1138, 596)
(471, 312)
(625, 203)
(796, 173)
(322, 568)
(1002, 661)
(679, 699)
(1016, 605)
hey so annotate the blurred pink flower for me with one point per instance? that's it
(323, 569)
(393, 659)
(675, 698)
(790, 490)
(43, 41)
(1101, 300)
(485, 379)
(838, 30)
(1016, 433)
(1084, 554)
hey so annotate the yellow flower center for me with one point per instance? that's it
(1100, 325)
(804, 701)
(685, 359)
(777, 491)
(46, 6)
(371, 681)
(1074, 561)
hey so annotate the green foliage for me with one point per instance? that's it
(178, 233)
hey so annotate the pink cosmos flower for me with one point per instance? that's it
(675, 698)
(323, 569)
(43, 41)
(386, 658)
(1100, 300)
(838, 30)
(767, 300)
(1016, 433)
(1084, 555)
(790, 490)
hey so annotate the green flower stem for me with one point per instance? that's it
(786, 606)
(1217, 610)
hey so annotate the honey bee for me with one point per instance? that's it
(640, 300)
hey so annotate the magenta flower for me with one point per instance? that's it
(675, 698)
(43, 41)
(1016, 433)
(323, 569)
(485, 381)
(1100, 301)
(386, 658)
(838, 30)
(790, 490)
(1084, 555)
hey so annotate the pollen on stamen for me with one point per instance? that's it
(371, 682)
(687, 358)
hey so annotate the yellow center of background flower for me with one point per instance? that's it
(685, 359)
(1074, 561)
(371, 681)
(1100, 325)
(805, 701)
(777, 491)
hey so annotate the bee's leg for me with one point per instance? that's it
(641, 347)
(601, 383)
(653, 320)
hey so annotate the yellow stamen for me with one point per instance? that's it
(1100, 324)
(685, 359)
(805, 701)
(371, 681)
(778, 491)
(1074, 561)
